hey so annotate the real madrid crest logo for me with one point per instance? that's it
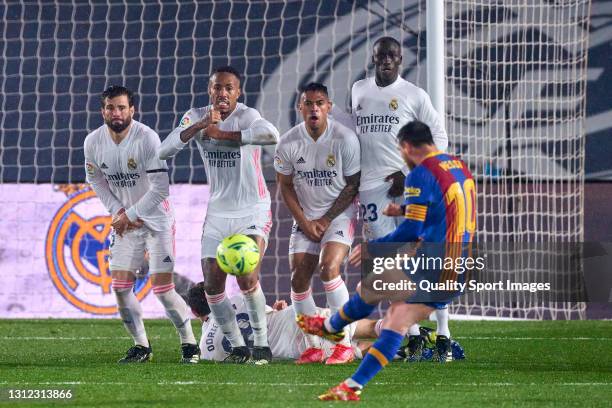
(393, 104)
(331, 160)
(132, 164)
(76, 251)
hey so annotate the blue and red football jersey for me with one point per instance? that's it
(440, 202)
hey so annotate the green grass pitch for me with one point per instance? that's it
(539, 364)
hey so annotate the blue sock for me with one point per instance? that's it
(378, 356)
(352, 310)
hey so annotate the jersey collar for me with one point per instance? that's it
(432, 154)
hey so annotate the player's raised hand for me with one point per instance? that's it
(397, 186)
(393, 210)
(212, 131)
(214, 116)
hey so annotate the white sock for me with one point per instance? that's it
(256, 307)
(352, 383)
(225, 316)
(414, 330)
(378, 327)
(442, 318)
(130, 311)
(177, 311)
(337, 295)
(303, 303)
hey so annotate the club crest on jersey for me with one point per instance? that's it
(89, 168)
(77, 250)
(132, 164)
(185, 122)
(412, 192)
(279, 162)
(393, 105)
(331, 160)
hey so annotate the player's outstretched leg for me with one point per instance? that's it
(331, 328)
(397, 320)
(131, 315)
(377, 357)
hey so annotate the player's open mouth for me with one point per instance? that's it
(223, 104)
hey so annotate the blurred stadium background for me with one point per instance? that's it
(516, 76)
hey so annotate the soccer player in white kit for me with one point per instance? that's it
(123, 169)
(317, 165)
(381, 105)
(229, 136)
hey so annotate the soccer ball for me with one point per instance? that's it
(237, 255)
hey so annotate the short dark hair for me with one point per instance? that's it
(116, 90)
(387, 40)
(315, 87)
(229, 70)
(415, 133)
(196, 299)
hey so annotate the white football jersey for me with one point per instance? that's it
(286, 339)
(125, 167)
(237, 185)
(319, 168)
(379, 115)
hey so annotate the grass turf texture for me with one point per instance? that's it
(508, 364)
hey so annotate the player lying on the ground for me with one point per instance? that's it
(440, 209)
(123, 169)
(287, 341)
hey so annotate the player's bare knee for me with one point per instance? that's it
(248, 283)
(122, 281)
(160, 279)
(329, 270)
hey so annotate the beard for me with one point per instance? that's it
(119, 127)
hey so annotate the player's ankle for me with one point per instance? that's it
(353, 384)
(328, 326)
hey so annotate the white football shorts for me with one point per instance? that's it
(217, 228)
(127, 252)
(340, 230)
(371, 205)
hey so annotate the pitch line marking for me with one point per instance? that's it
(233, 383)
(458, 338)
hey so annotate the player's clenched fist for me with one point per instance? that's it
(393, 210)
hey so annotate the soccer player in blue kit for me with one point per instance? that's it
(439, 207)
